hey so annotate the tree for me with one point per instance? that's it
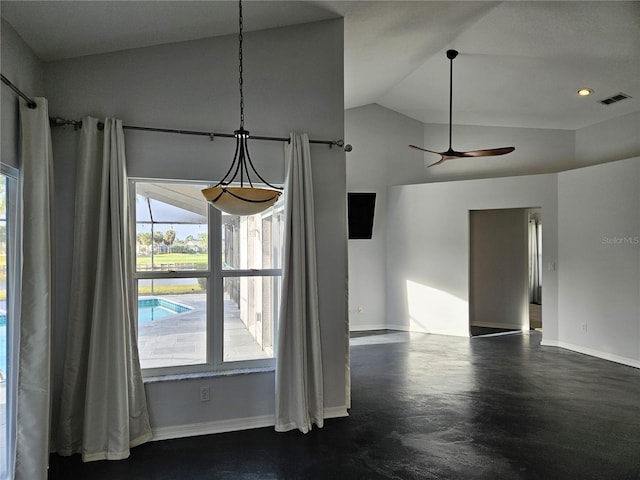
(169, 238)
(144, 239)
(3, 196)
(3, 237)
(203, 239)
(158, 239)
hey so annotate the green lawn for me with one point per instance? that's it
(198, 259)
(190, 260)
(169, 289)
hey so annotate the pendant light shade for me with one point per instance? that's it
(241, 200)
(226, 195)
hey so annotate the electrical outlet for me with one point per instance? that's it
(204, 394)
(584, 327)
(360, 309)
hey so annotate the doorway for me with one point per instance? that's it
(534, 243)
(505, 270)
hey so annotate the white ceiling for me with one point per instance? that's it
(520, 62)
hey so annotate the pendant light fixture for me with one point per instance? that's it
(241, 200)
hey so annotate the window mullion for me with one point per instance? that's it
(171, 274)
(216, 294)
(254, 272)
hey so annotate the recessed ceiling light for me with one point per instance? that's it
(584, 92)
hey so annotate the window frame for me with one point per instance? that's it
(13, 234)
(215, 276)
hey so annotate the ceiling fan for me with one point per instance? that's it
(451, 154)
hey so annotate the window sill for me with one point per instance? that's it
(200, 375)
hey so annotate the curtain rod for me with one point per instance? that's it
(59, 122)
(30, 103)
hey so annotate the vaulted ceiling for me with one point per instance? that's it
(520, 63)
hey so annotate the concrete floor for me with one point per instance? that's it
(430, 407)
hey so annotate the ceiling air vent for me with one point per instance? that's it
(615, 98)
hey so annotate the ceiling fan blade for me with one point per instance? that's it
(491, 152)
(425, 150)
(438, 162)
(443, 155)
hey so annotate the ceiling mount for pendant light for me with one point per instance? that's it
(241, 200)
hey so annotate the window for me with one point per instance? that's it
(199, 312)
(8, 334)
(251, 267)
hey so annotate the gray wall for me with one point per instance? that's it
(293, 81)
(380, 157)
(428, 248)
(599, 260)
(21, 66)
(591, 254)
(498, 296)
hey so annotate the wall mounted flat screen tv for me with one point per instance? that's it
(361, 208)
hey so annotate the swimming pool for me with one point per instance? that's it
(3, 345)
(3, 351)
(155, 308)
(149, 309)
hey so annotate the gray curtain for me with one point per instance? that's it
(36, 294)
(299, 376)
(103, 407)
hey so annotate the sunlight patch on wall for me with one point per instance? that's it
(436, 311)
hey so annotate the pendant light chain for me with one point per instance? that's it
(240, 69)
(241, 200)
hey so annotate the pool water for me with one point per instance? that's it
(3, 349)
(154, 308)
(3, 344)
(148, 314)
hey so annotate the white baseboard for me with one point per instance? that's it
(400, 328)
(367, 326)
(207, 428)
(336, 412)
(612, 357)
(497, 325)
(231, 425)
(385, 326)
